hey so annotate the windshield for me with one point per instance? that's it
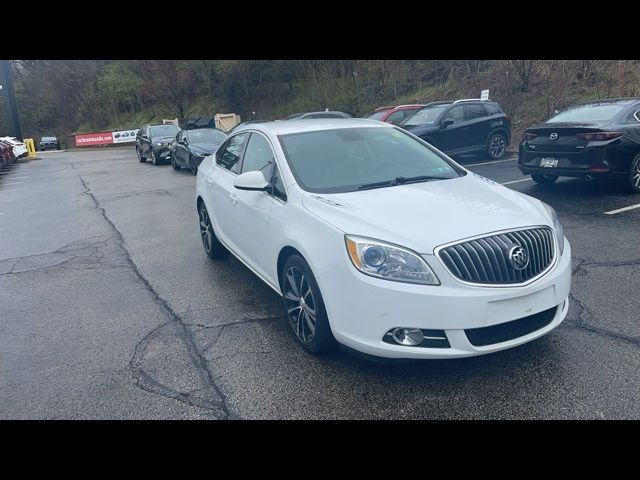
(342, 160)
(206, 136)
(48, 139)
(425, 116)
(593, 112)
(164, 130)
(376, 115)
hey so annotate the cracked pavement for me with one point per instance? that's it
(109, 308)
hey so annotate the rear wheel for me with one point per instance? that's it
(544, 179)
(304, 307)
(497, 146)
(634, 174)
(141, 158)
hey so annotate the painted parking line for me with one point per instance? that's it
(620, 210)
(12, 183)
(489, 163)
(3, 213)
(516, 181)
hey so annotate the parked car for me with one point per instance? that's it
(6, 154)
(49, 143)
(323, 114)
(153, 142)
(395, 115)
(378, 241)
(242, 124)
(587, 140)
(19, 148)
(294, 116)
(464, 126)
(191, 146)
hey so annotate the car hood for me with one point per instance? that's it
(422, 216)
(427, 127)
(207, 148)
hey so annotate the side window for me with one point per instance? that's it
(492, 109)
(456, 114)
(278, 186)
(229, 156)
(258, 156)
(397, 117)
(473, 111)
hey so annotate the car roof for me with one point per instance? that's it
(624, 101)
(313, 124)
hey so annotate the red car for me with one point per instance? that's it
(394, 115)
(6, 154)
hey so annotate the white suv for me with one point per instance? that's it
(378, 241)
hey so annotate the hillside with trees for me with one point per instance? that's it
(63, 97)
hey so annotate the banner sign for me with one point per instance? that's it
(124, 136)
(87, 139)
(106, 138)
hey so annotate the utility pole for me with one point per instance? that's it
(6, 89)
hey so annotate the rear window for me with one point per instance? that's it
(377, 115)
(592, 112)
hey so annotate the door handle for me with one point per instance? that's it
(234, 198)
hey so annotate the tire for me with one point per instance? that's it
(154, 158)
(634, 175)
(496, 146)
(193, 167)
(314, 334)
(543, 179)
(212, 246)
(141, 159)
(174, 164)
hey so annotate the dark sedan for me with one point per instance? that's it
(587, 140)
(153, 142)
(191, 146)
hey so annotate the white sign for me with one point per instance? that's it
(484, 95)
(124, 136)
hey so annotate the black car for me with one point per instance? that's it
(49, 143)
(587, 140)
(191, 146)
(463, 126)
(153, 142)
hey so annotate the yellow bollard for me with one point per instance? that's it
(31, 148)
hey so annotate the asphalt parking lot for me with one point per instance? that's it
(109, 308)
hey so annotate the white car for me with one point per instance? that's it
(19, 148)
(380, 242)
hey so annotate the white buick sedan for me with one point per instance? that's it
(378, 241)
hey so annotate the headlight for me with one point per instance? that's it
(159, 144)
(557, 226)
(391, 262)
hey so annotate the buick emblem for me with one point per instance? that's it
(518, 257)
(553, 136)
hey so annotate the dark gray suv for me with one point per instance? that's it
(48, 143)
(153, 142)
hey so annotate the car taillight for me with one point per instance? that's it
(528, 136)
(599, 136)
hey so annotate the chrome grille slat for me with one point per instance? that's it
(484, 260)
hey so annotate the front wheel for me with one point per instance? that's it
(634, 175)
(212, 246)
(154, 157)
(304, 307)
(174, 164)
(543, 179)
(497, 146)
(193, 166)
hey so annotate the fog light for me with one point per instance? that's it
(407, 336)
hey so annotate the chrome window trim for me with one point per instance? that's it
(635, 115)
(553, 263)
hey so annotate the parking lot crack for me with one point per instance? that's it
(144, 379)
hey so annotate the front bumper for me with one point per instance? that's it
(362, 309)
(162, 152)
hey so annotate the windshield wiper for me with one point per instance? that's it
(400, 181)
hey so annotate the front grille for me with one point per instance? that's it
(504, 332)
(486, 260)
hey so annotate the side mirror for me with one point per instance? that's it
(251, 181)
(446, 122)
